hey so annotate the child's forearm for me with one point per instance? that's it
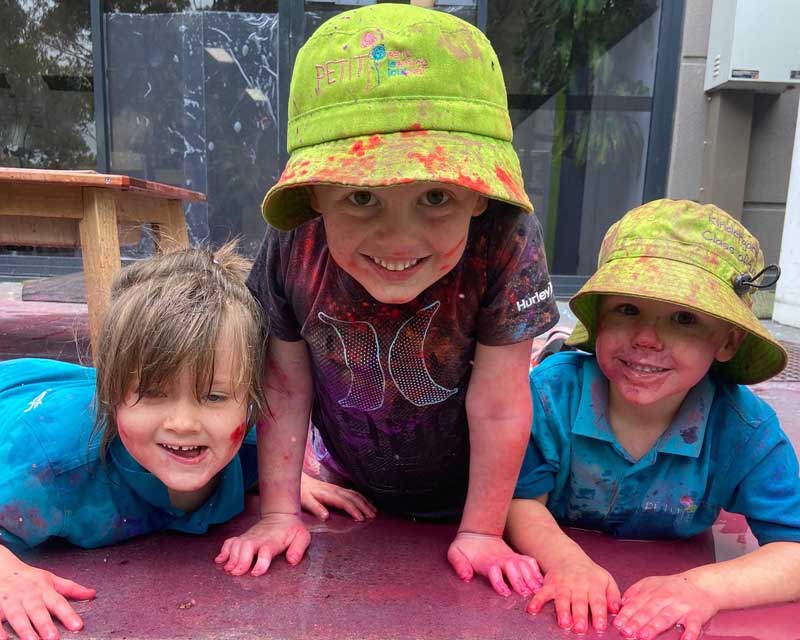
(496, 451)
(769, 574)
(282, 431)
(532, 530)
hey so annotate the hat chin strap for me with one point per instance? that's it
(743, 282)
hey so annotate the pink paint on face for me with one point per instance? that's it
(654, 352)
(183, 440)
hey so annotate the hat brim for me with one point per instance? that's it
(489, 166)
(758, 358)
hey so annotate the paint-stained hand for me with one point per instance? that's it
(316, 495)
(658, 603)
(491, 557)
(269, 537)
(30, 598)
(577, 588)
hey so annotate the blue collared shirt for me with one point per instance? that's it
(53, 484)
(724, 450)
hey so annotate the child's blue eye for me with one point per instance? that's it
(362, 198)
(435, 197)
(628, 309)
(216, 397)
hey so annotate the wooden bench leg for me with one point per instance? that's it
(172, 232)
(100, 247)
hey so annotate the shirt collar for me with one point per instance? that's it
(684, 437)
(226, 502)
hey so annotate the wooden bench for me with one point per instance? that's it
(93, 211)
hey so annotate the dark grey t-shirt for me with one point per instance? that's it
(390, 380)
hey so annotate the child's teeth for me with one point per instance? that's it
(395, 266)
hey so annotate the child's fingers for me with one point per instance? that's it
(534, 566)
(40, 619)
(461, 565)
(598, 604)
(73, 590)
(542, 597)
(241, 558)
(613, 598)
(343, 501)
(650, 622)
(19, 620)
(225, 552)
(497, 581)
(61, 609)
(580, 612)
(263, 561)
(314, 507)
(563, 604)
(297, 546)
(515, 577)
(364, 505)
(693, 625)
(531, 579)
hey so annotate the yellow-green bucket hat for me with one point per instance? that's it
(390, 94)
(693, 255)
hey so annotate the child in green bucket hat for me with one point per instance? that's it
(404, 278)
(651, 433)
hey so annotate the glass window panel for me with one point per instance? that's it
(193, 102)
(580, 79)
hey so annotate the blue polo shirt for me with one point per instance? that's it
(724, 450)
(53, 484)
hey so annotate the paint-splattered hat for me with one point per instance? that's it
(692, 255)
(390, 94)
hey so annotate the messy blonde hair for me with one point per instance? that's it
(165, 315)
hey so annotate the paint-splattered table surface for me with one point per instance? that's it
(385, 579)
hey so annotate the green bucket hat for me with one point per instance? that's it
(693, 255)
(390, 94)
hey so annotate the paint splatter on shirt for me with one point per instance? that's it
(52, 483)
(723, 450)
(391, 380)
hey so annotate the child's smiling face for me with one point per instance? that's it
(397, 241)
(183, 440)
(653, 351)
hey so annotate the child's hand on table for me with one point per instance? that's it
(491, 557)
(577, 588)
(269, 537)
(315, 495)
(30, 597)
(658, 603)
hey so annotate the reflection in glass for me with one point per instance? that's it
(193, 102)
(580, 78)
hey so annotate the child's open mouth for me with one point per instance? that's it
(183, 452)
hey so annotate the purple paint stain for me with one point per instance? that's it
(689, 435)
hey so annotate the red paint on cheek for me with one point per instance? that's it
(238, 434)
(449, 254)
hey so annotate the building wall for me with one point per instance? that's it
(772, 136)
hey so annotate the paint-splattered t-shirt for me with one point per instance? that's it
(52, 483)
(723, 450)
(390, 380)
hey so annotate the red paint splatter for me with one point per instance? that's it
(305, 163)
(238, 434)
(449, 254)
(428, 160)
(359, 148)
(287, 174)
(476, 184)
(415, 130)
(508, 181)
